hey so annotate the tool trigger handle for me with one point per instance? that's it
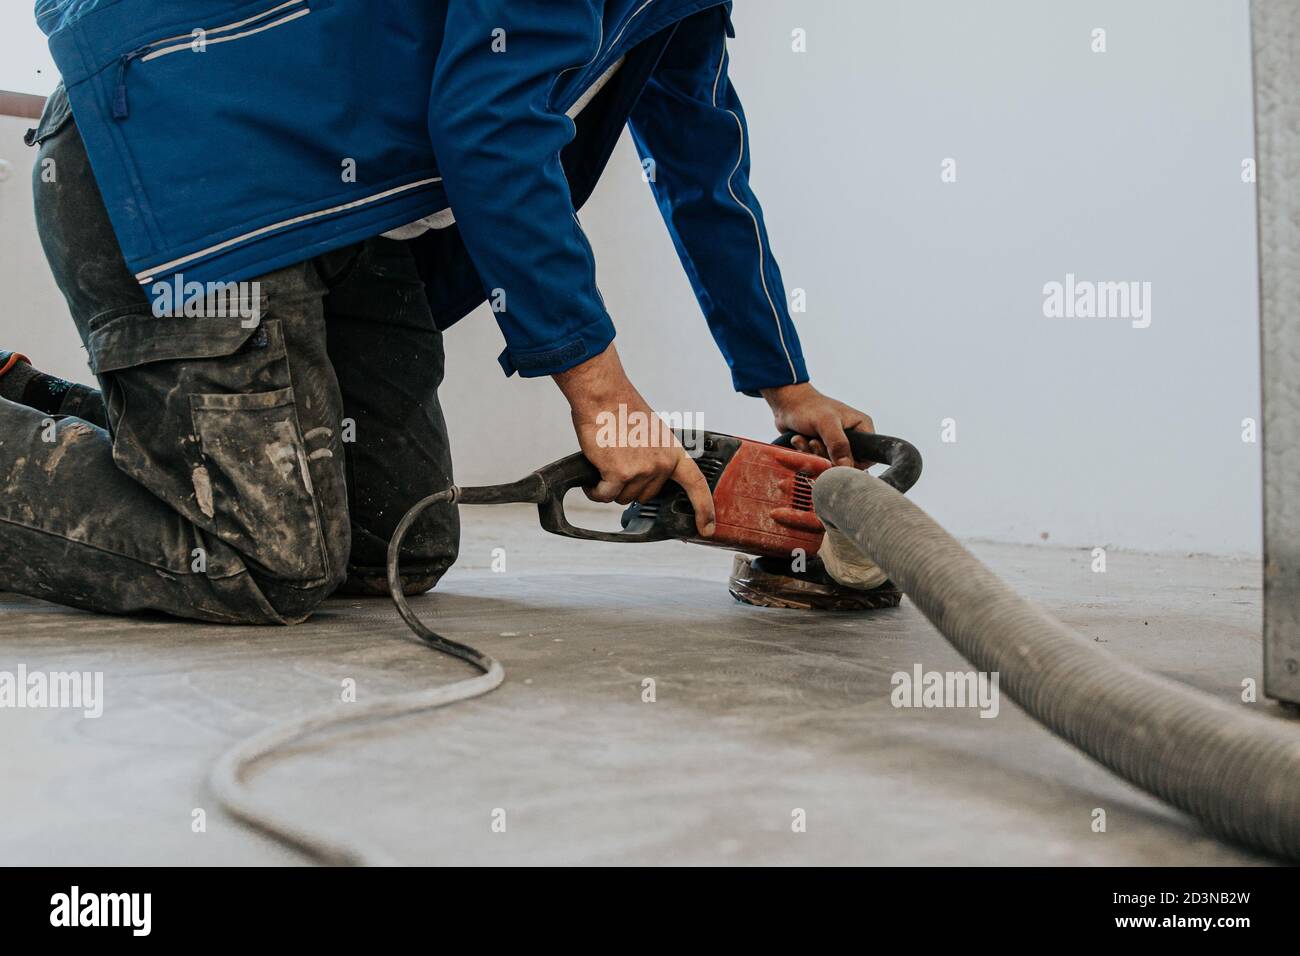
(575, 471)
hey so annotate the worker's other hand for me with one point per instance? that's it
(819, 422)
(634, 464)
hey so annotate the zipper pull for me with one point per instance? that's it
(121, 109)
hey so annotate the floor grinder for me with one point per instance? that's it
(763, 496)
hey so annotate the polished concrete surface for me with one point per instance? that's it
(757, 715)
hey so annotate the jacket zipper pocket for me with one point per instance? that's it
(268, 19)
(627, 23)
(602, 46)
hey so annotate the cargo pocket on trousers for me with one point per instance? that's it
(254, 482)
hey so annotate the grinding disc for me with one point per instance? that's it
(768, 582)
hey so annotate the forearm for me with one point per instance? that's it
(597, 384)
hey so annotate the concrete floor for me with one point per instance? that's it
(758, 712)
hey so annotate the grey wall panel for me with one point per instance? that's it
(1276, 28)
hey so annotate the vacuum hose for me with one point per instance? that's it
(1237, 772)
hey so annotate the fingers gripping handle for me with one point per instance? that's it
(903, 459)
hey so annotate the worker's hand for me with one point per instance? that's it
(807, 412)
(636, 465)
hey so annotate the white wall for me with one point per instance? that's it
(33, 318)
(25, 63)
(925, 298)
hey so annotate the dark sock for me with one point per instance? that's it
(45, 393)
(26, 386)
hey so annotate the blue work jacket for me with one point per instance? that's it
(232, 138)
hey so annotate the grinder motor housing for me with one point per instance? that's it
(762, 495)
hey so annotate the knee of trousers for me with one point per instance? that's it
(293, 601)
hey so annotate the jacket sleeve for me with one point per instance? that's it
(498, 142)
(689, 123)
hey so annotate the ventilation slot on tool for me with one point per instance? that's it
(803, 485)
(712, 468)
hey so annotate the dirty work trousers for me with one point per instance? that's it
(223, 472)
